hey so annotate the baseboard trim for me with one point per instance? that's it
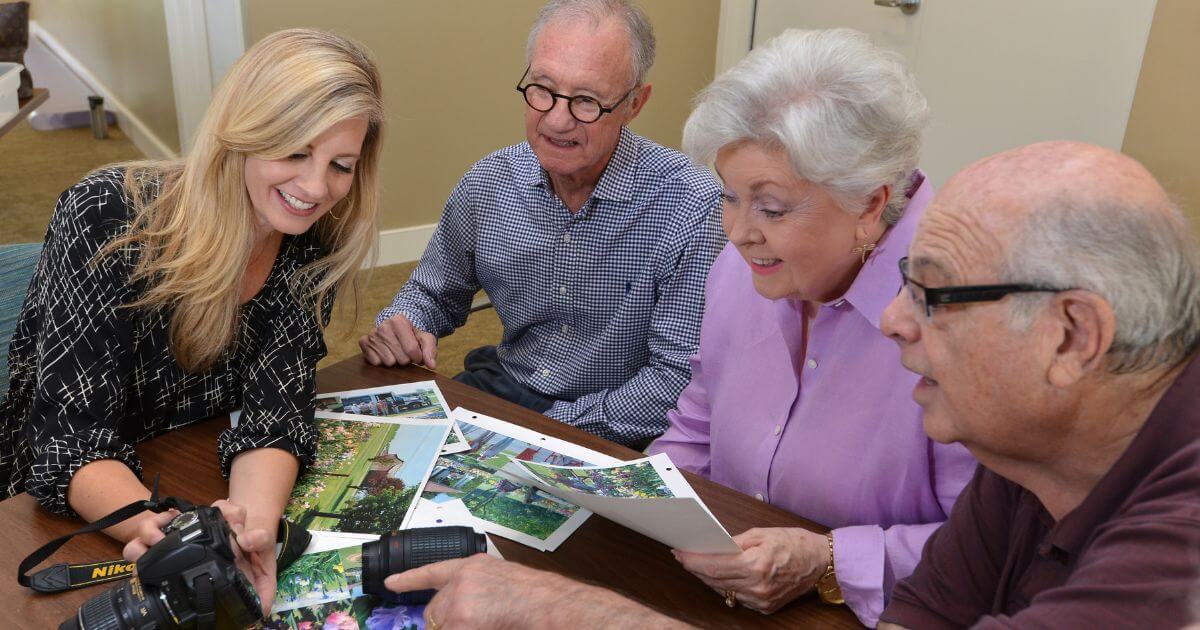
(143, 138)
(401, 245)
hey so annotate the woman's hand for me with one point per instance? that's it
(255, 551)
(776, 566)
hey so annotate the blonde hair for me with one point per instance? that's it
(193, 229)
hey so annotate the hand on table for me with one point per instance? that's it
(483, 592)
(776, 566)
(255, 548)
(397, 342)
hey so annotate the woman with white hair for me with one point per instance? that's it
(172, 291)
(796, 396)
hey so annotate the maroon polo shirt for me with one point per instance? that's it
(1128, 556)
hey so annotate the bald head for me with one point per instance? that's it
(1029, 177)
(1074, 215)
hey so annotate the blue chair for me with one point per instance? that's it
(17, 263)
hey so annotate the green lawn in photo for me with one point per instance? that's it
(487, 503)
(337, 489)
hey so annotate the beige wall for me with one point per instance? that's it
(449, 69)
(1163, 131)
(124, 44)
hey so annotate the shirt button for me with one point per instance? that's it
(777, 430)
(566, 238)
(566, 329)
(545, 372)
(812, 364)
(562, 290)
(758, 496)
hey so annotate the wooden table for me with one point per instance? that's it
(25, 108)
(600, 551)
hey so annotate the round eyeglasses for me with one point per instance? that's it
(585, 109)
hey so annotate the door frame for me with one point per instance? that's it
(735, 33)
(204, 38)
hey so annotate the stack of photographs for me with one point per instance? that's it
(503, 503)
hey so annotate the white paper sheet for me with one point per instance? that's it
(674, 516)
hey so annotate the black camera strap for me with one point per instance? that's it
(64, 577)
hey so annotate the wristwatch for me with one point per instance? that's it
(827, 585)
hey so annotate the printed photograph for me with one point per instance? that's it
(497, 497)
(638, 480)
(366, 476)
(408, 400)
(359, 613)
(318, 578)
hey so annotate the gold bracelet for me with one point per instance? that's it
(828, 588)
(829, 537)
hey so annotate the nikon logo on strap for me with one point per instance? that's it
(110, 570)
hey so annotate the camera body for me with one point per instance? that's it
(189, 579)
(412, 548)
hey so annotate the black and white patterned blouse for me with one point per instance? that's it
(90, 379)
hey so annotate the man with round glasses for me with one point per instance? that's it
(593, 243)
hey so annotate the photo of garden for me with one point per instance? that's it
(365, 476)
(363, 612)
(410, 400)
(635, 480)
(317, 578)
(497, 497)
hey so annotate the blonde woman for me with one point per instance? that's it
(169, 292)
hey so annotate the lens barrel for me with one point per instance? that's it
(119, 608)
(412, 548)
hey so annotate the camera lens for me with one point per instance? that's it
(122, 608)
(412, 548)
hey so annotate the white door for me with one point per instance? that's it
(998, 73)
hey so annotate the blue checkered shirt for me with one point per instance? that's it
(601, 308)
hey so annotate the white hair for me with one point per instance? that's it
(847, 113)
(1142, 261)
(637, 27)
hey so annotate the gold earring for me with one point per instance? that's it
(335, 217)
(864, 250)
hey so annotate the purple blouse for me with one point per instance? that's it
(831, 434)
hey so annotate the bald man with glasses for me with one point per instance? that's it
(592, 243)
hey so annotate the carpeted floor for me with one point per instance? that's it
(36, 166)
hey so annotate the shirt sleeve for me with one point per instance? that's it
(957, 577)
(437, 297)
(870, 559)
(637, 410)
(279, 384)
(686, 441)
(1141, 568)
(82, 344)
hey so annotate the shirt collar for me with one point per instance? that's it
(879, 279)
(616, 182)
(1171, 427)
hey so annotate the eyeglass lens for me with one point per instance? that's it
(584, 108)
(916, 293)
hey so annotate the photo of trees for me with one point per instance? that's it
(365, 476)
(635, 480)
(491, 495)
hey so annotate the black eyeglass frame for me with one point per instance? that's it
(571, 100)
(939, 296)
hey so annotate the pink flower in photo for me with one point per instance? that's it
(338, 620)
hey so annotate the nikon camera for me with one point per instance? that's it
(188, 579)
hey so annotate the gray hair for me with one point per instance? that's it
(848, 114)
(637, 27)
(1142, 261)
